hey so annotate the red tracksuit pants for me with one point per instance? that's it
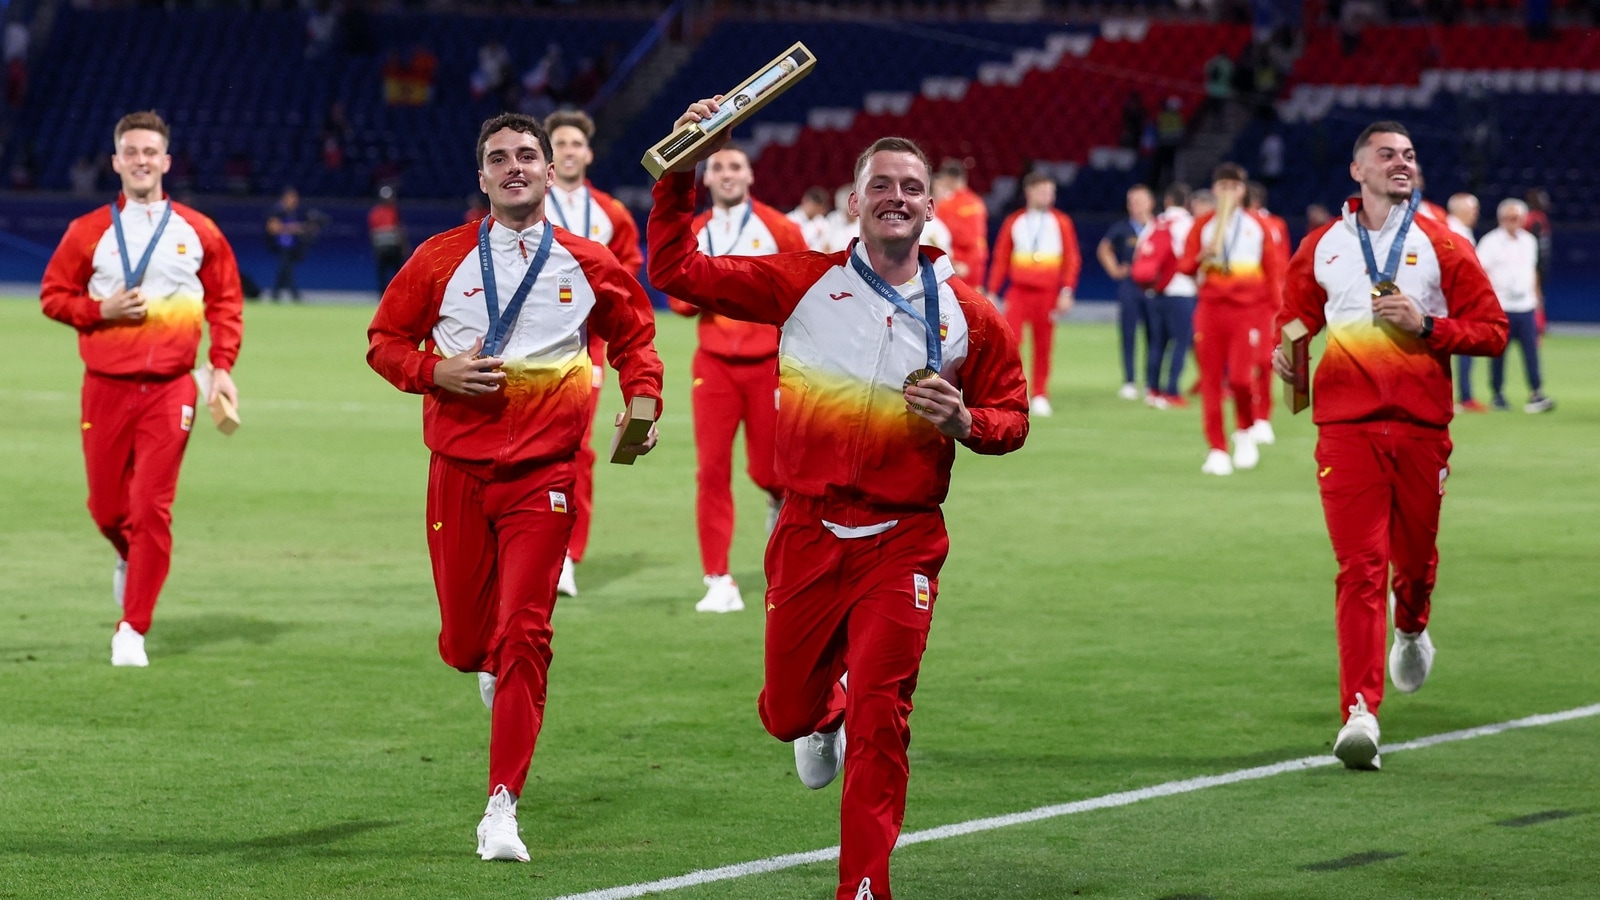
(134, 435)
(1227, 345)
(863, 606)
(1266, 381)
(583, 479)
(1034, 308)
(1381, 483)
(727, 392)
(496, 544)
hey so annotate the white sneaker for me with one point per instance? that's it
(567, 583)
(864, 890)
(1155, 401)
(774, 506)
(497, 831)
(486, 684)
(1217, 463)
(1410, 660)
(1040, 406)
(1357, 743)
(1245, 454)
(1261, 432)
(119, 581)
(722, 595)
(1129, 391)
(127, 647)
(819, 758)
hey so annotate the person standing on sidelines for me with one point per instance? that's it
(1462, 218)
(387, 232)
(136, 279)
(1398, 293)
(1036, 262)
(501, 311)
(966, 218)
(584, 209)
(1232, 252)
(1115, 253)
(887, 362)
(735, 372)
(1170, 297)
(1510, 257)
(1256, 201)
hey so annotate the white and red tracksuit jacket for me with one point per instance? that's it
(845, 438)
(769, 232)
(1254, 274)
(192, 277)
(541, 412)
(610, 224)
(1371, 373)
(1036, 257)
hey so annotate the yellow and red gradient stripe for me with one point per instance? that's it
(1376, 351)
(530, 381)
(167, 320)
(832, 407)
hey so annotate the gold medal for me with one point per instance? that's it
(920, 376)
(1038, 257)
(1384, 289)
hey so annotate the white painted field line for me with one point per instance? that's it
(1107, 801)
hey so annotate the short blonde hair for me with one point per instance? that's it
(891, 145)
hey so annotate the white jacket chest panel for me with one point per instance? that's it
(1341, 270)
(567, 210)
(723, 236)
(549, 331)
(174, 266)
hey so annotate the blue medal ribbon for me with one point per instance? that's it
(133, 277)
(587, 211)
(930, 301)
(1396, 248)
(711, 248)
(500, 323)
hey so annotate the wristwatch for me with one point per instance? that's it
(1427, 327)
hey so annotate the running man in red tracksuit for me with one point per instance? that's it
(867, 433)
(135, 279)
(584, 209)
(1238, 294)
(1037, 250)
(504, 374)
(735, 372)
(1381, 400)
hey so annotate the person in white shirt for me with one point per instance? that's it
(1171, 304)
(1462, 219)
(842, 226)
(812, 217)
(1510, 256)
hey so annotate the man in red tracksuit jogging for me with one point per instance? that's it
(136, 279)
(886, 362)
(735, 372)
(1037, 255)
(583, 209)
(1398, 293)
(501, 310)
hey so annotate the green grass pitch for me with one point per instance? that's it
(1109, 620)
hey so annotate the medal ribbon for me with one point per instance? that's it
(587, 211)
(930, 301)
(1397, 247)
(711, 248)
(133, 277)
(500, 323)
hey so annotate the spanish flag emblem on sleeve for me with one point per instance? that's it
(564, 290)
(1411, 259)
(923, 595)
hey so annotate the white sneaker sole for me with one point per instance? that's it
(1357, 750)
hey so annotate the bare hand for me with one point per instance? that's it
(699, 111)
(126, 305)
(470, 374)
(222, 385)
(939, 402)
(1064, 301)
(1398, 310)
(1281, 365)
(641, 448)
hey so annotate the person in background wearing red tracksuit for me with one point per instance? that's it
(1381, 403)
(583, 209)
(502, 311)
(1037, 251)
(735, 372)
(1239, 280)
(1256, 201)
(135, 279)
(887, 361)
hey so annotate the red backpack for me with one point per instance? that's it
(1155, 259)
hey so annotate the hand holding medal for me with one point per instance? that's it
(938, 401)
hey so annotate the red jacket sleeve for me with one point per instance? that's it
(749, 288)
(1476, 325)
(1303, 298)
(64, 292)
(684, 307)
(224, 298)
(405, 319)
(624, 236)
(1189, 259)
(623, 317)
(992, 384)
(1000, 261)
(1071, 256)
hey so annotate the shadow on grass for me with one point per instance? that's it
(176, 637)
(317, 840)
(600, 569)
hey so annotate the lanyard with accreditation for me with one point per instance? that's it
(500, 324)
(930, 303)
(562, 214)
(132, 276)
(1383, 279)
